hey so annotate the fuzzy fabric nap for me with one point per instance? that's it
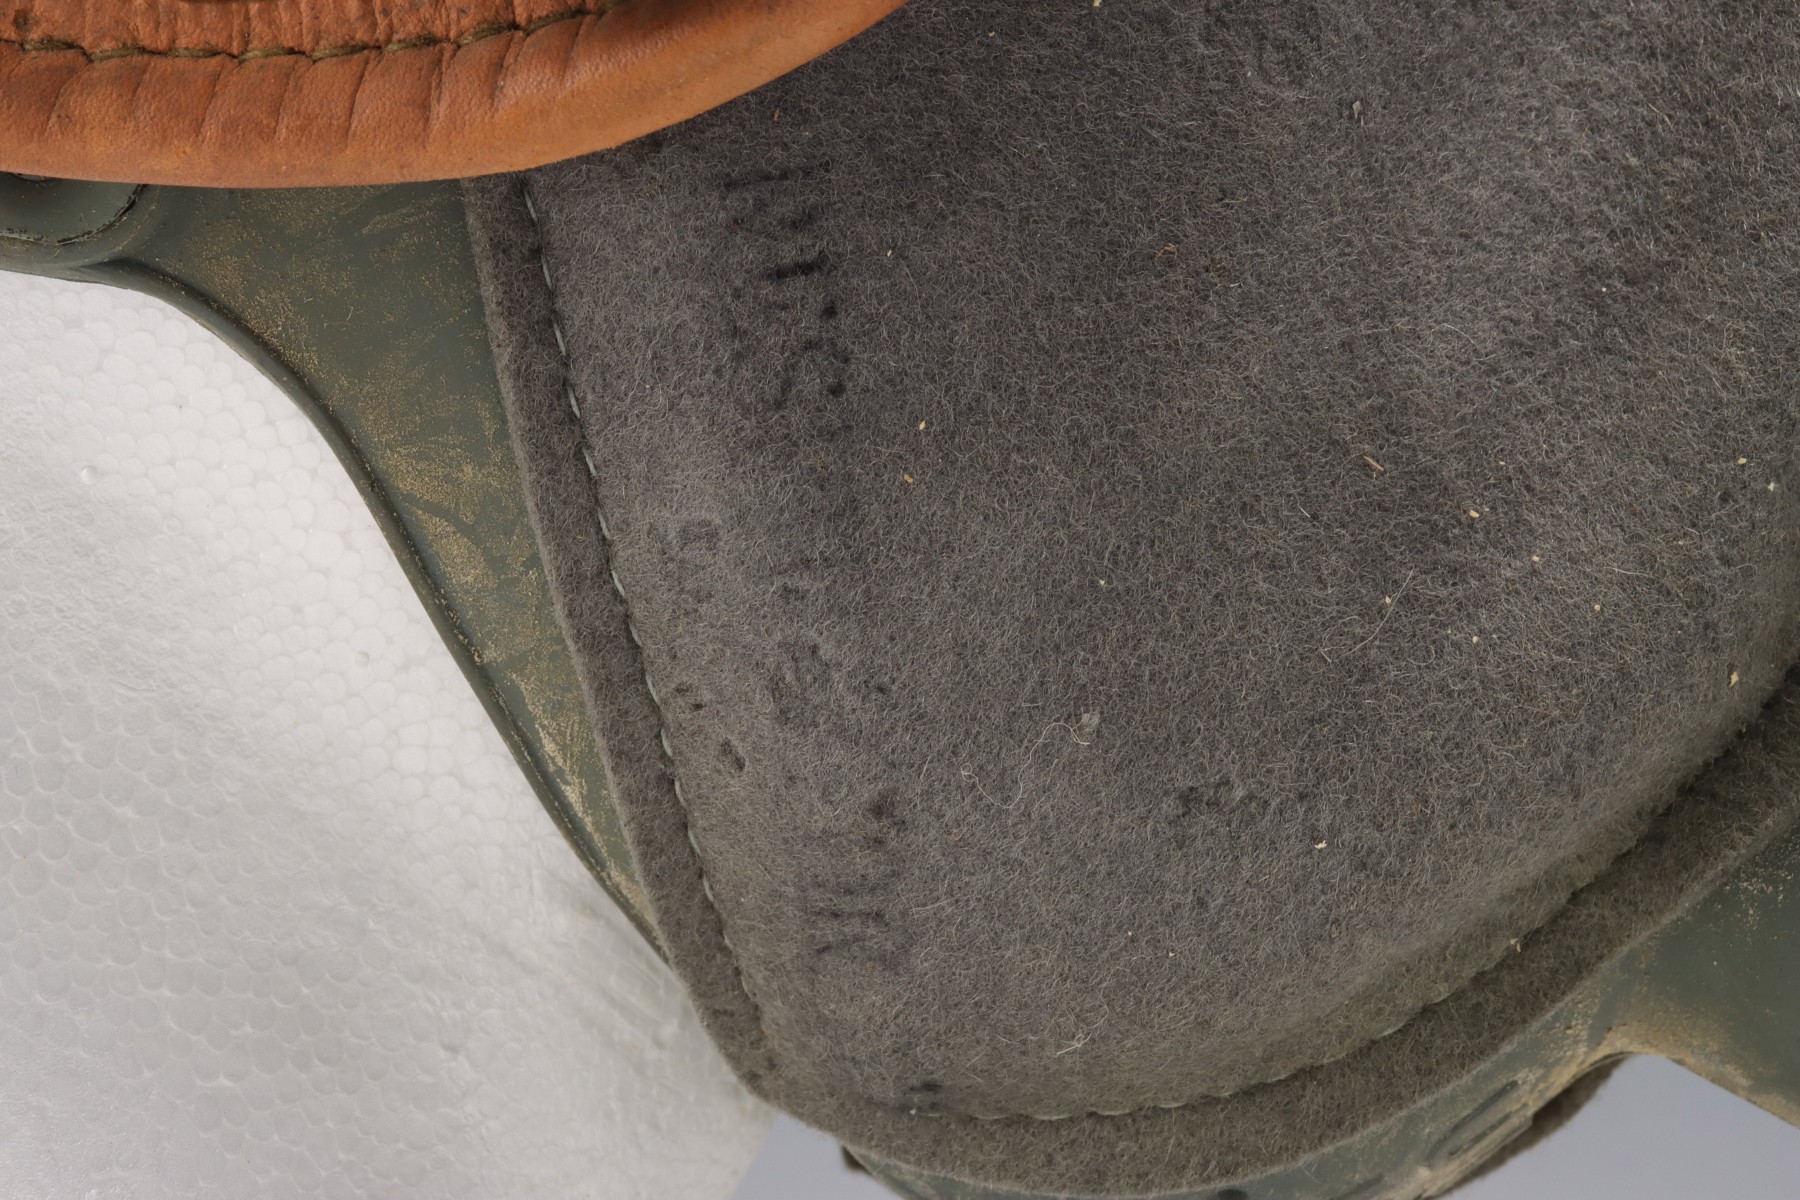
(1163, 538)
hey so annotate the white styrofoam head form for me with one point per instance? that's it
(278, 914)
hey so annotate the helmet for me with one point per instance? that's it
(1171, 601)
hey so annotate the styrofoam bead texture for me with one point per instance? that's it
(278, 914)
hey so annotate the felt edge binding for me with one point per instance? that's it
(623, 615)
(1735, 805)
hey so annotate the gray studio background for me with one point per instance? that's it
(1655, 1132)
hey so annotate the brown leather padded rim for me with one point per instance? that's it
(288, 93)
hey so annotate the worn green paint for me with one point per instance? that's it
(58, 212)
(362, 304)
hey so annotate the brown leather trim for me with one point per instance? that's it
(231, 94)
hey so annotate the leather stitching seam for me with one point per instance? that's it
(419, 42)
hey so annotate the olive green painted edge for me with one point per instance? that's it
(53, 212)
(362, 305)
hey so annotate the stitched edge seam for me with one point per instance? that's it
(712, 902)
(1516, 945)
(419, 42)
(699, 862)
(662, 733)
(1405, 1021)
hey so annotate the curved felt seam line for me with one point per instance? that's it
(587, 454)
(1512, 948)
(606, 549)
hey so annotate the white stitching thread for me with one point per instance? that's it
(662, 733)
(662, 737)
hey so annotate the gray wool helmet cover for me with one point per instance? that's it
(1120, 553)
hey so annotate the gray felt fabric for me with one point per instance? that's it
(1164, 538)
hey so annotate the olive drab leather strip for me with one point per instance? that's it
(254, 93)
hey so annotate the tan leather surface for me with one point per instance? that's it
(297, 92)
